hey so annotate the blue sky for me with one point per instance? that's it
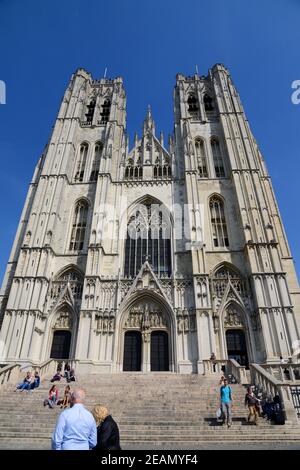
(147, 43)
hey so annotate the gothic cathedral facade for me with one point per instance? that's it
(150, 258)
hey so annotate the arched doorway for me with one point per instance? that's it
(132, 351)
(61, 342)
(63, 337)
(146, 316)
(159, 351)
(236, 346)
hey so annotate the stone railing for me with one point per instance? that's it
(45, 368)
(283, 371)
(226, 367)
(239, 372)
(9, 375)
(13, 374)
(214, 366)
(271, 386)
(61, 363)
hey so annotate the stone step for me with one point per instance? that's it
(150, 409)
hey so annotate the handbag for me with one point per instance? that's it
(219, 413)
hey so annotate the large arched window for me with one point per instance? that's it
(82, 157)
(79, 226)
(148, 238)
(218, 222)
(217, 156)
(201, 158)
(96, 161)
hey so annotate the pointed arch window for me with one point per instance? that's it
(133, 171)
(70, 277)
(218, 222)
(82, 157)
(79, 226)
(193, 106)
(201, 158)
(221, 278)
(96, 161)
(148, 239)
(217, 156)
(105, 111)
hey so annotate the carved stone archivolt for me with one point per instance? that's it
(233, 318)
(63, 321)
(146, 316)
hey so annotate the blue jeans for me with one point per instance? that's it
(226, 409)
(24, 386)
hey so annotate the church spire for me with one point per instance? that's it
(148, 122)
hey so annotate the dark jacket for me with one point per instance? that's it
(108, 435)
(251, 400)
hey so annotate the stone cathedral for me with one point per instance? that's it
(150, 258)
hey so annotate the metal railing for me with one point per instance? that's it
(295, 392)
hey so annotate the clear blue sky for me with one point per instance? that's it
(147, 42)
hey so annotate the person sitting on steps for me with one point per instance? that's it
(53, 397)
(36, 381)
(67, 370)
(65, 402)
(25, 385)
(71, 376)
(57, 376)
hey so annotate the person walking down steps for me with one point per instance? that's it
(226, 403)
(253, 404)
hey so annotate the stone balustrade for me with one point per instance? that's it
(227, 367)
(271, 386)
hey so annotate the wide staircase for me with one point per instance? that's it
(153, 411)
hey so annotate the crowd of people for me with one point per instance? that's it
(76, 427)
(268, 408)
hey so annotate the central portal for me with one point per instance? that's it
(146, 344)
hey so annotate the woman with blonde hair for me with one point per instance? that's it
(108, 437)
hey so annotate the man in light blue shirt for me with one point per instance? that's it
(226, 402)
(76, 427)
